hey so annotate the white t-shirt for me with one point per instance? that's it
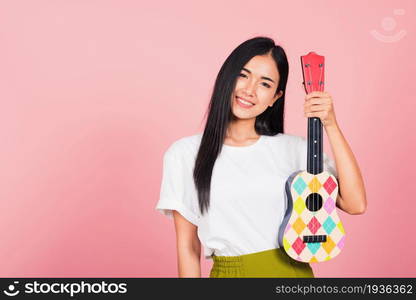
(247, 202)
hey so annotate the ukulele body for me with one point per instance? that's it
(311, 230)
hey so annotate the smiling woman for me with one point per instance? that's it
(225, 187)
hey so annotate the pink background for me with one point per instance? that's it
(93, 92)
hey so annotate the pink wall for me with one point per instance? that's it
(93, 92)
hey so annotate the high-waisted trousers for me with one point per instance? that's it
(269, 263)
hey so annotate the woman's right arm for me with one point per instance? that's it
(188, 247)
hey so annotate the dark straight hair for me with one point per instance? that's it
(270, 122)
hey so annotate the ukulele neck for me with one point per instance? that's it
(315, 146)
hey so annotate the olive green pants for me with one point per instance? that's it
(269, 263)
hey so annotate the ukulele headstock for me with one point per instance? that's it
(313, 67)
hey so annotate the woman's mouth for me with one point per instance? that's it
(243, 103)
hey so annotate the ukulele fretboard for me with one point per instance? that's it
(315, 146)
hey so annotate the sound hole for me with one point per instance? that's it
(314, 202)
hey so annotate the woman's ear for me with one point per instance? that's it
(278, 95)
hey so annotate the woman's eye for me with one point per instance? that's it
(265, 84)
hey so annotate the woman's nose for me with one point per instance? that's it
(249, 88)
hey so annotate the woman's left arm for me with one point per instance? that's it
(350, 181)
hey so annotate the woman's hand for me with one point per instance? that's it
(319, 104)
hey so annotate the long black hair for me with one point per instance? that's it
(270, 122)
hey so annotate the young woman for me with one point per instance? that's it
(225, 187)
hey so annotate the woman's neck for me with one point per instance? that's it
(241, 130)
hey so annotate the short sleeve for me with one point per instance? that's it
(329, 164)
(177, 190)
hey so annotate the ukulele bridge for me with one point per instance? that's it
(314, 238)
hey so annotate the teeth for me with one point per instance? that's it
(245, 102)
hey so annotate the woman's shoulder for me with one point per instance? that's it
(186, 144)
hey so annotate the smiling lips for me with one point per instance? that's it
(244, 103)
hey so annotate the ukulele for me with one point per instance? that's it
(311, 230)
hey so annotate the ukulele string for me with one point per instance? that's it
(312, 161)
(318, 130)
(320, 85)
(311, 143)
(314, 131)
(310, 147)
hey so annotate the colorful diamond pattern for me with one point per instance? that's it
(314, 225)
(329, 205)
(298, 245)
(299, 225)
(299, 205)
(299, 185)
(314, 185)
(328, 225)
(330, 185)
(341, 242)
(341, 228)
(313, 247)
(328, 245)
(286, 244)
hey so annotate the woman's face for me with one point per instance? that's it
(257, 84)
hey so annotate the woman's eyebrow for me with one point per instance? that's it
(263, 77)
